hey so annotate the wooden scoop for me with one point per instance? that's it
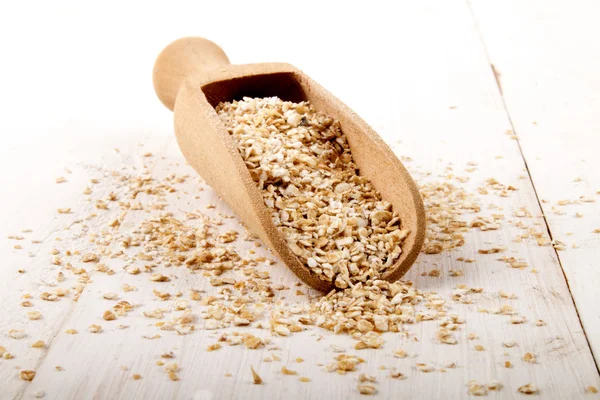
(192, 75)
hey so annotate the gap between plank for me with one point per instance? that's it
(497, 75)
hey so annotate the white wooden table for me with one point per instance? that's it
(442, 82)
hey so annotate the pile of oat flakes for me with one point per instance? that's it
(332, 218)
(240, 293)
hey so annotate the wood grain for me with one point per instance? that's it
(548, 59)
(408, 103)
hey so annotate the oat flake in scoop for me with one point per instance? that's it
(332, 218)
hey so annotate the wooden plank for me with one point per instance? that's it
(548, 58)
(35, 208)
(412, 111)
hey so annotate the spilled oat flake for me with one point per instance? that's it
(136, 233)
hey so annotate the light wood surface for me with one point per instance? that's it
(551, 93)
(434, 98)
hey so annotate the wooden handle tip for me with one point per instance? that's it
(185, 57)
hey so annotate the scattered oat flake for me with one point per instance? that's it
(252, 342)
(48, 296)
(213, 347)
(286, 371)
(162, 295)
(159, 278)
(133, 270)
(400, 353)
(517, 320)
(477, 389)
(304, 379)
(591, 389)
(506, 295)
(128, 288)
(256, 379)
(61, 179)
(109, 316)
(27, 375)
(362, 378)
(529, 358)
(367, 389)
(16, 333)
(424, 368)
(397, 375)
(528, 389)
(89, 257)
(172, 369)
(492, 250)
(38, 344)
(336, 349)
(34, 315)
(446, 337)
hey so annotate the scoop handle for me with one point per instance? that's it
(185, 57)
